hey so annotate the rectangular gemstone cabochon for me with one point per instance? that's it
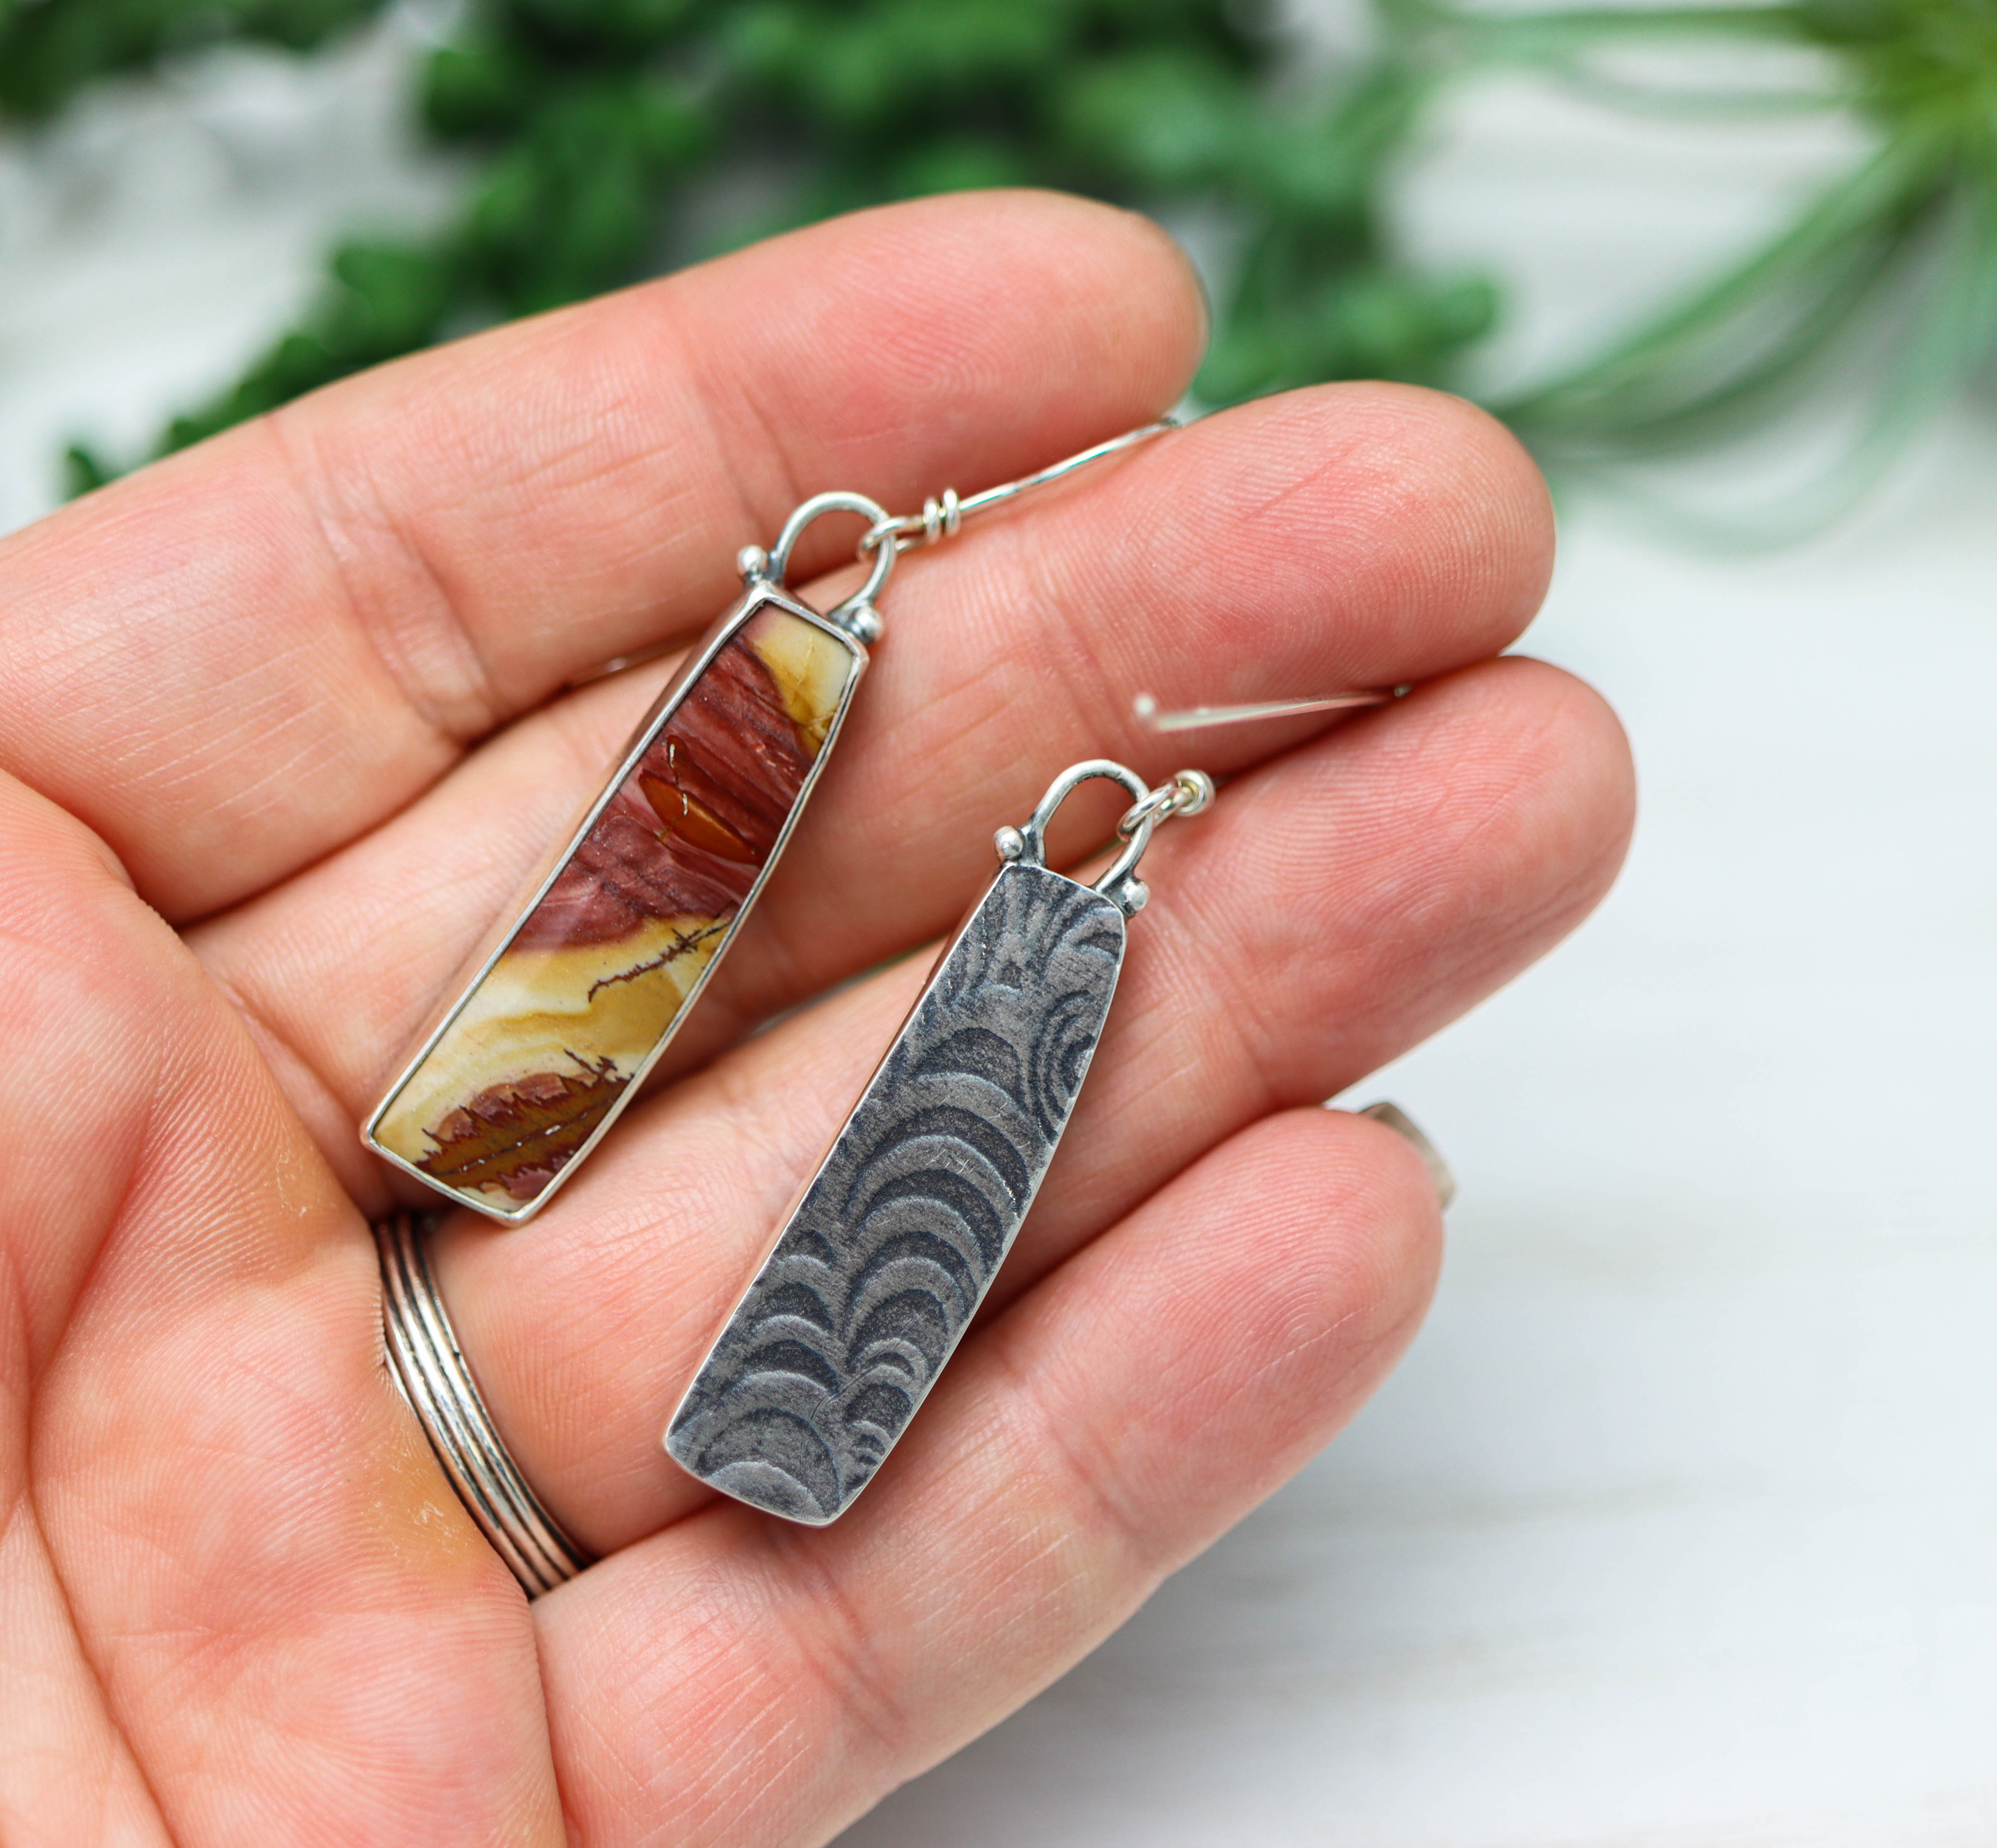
(597, 974)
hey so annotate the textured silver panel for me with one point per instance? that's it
(898, 1236)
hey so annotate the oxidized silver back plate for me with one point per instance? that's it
(897, 1238)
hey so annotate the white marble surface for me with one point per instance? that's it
(1678, 1528)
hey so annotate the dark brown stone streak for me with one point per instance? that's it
(518, 1136)
(691, 829)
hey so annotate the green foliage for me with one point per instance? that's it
(1315, 301)
(384, 300)
(600, 127)
(50, 48)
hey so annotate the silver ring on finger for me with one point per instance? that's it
(430, 1368)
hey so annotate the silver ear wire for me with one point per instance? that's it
(1192, 717)
(940, 518)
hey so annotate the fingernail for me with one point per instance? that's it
(1402, 1124)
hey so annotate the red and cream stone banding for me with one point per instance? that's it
(592, 982)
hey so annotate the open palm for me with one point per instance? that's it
(283, 722)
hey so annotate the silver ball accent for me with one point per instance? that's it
(1134, 897)
(863, 623)
(753, 562)
(1011, 844)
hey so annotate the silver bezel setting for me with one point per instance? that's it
(760, 595)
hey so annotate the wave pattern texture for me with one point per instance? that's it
(898, 1236)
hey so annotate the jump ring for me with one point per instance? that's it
(1155, 805)
(1189, 792)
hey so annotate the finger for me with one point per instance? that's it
(1117, 1421)
(232, 1564)
(243, 657)
(1353, 535)
(66, 1774)
(1334, 908)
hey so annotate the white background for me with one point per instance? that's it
(1679, 1525)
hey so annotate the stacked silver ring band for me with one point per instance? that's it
(429, 1367)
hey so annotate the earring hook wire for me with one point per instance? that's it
(1192, 717)
(942, 515)
(940, 518)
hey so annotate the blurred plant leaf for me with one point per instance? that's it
(601, 130)
(597, 124)
(1883, 285)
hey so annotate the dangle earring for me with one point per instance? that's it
(894, 1241)
(580, 993)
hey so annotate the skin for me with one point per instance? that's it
(283, 723)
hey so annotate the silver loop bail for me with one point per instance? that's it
(1029, 843)
(856, 614)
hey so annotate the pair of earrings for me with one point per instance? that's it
(894, 1242)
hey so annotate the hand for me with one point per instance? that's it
(284, 725)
